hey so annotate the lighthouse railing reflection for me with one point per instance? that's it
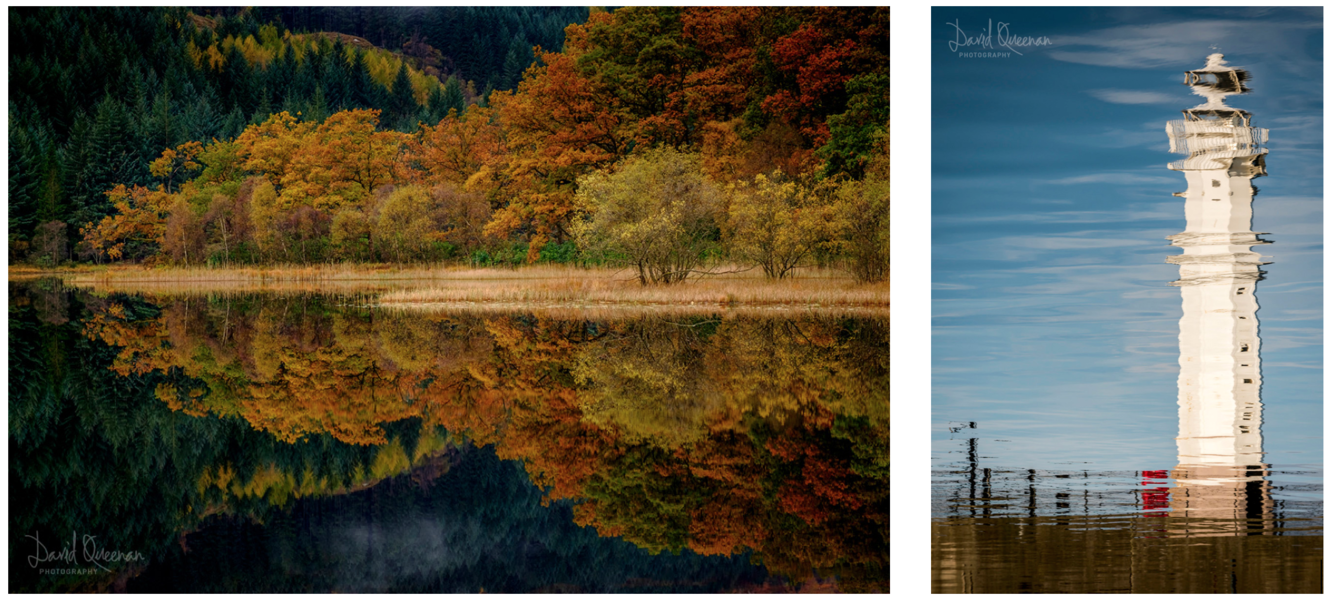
(1221, 485)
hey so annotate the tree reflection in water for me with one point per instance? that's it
(761, 439)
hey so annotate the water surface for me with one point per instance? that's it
(269, 442)
(1127, 343)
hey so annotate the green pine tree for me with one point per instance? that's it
(453, 96)
(265, 109)
(516, 61)
(403, 103)
(232, 125)
(318, 108)
(25, 173)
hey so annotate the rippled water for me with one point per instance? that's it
(1180, 530)
(1113, 413)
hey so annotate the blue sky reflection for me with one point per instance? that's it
(1054, 327)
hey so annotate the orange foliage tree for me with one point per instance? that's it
(560, 125)
(175, 162)
(458, 148)
(135, 230)
(326, 165)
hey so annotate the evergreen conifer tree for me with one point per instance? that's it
(453, 96)
(265, 108)
(25, 171)
(403, 100)
(318, 108)
(513, 65)
(232, 125)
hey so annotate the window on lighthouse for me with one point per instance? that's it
(1244, 347)
(1217, 183)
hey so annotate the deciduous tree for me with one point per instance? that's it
(135, 230)
(406, 230)
(560, 126)
(775, 224)
(176, 162)
(861, 216)
(183, 234)
(655, 213)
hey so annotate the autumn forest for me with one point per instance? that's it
(657, 138)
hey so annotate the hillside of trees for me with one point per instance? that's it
(664, 138)
(489, 46)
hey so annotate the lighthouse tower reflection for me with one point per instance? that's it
(1221, 486)
(1013, 512)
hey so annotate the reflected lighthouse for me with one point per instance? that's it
(1221, 472)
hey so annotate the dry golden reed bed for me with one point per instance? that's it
(608, 311)
(549, 286)
(610, 287)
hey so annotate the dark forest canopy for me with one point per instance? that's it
(365, 134)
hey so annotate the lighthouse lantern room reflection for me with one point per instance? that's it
(1221, 474)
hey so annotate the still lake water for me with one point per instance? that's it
(313, 443)
(1127, 356)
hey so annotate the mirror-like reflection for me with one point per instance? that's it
(331, 445)
(1214, 523)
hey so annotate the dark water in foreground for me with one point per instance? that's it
(1077, 555)
(310, 443)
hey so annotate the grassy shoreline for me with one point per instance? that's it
(544, 286)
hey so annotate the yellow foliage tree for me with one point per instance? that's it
(775, 224)
(405, 229)
(342, 161)
(183, 234)
(657, 211)
(265, 210)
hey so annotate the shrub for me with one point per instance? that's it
(405, 230)
(565, 252)
(775, 225)
(862, 216)
(657, 210)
